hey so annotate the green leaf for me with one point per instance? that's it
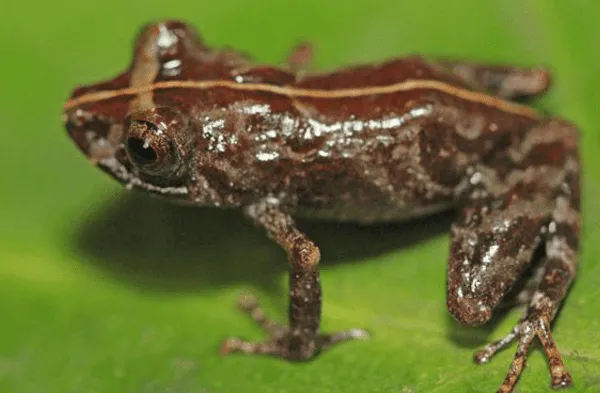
(102, 291)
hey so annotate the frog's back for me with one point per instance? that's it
(369, 156)
(355, 157)
(387, 73)
(336, 146)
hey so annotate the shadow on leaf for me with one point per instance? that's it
(159, 246)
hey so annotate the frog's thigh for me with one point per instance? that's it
(504, 81)
(559, 261)
(505, 218)
(493, 242)
(563, 230)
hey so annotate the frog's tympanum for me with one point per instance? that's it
(369, 144)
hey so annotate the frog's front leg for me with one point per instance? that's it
(302, 340)
(511, 220)
(301, 58)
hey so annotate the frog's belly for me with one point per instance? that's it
(372, 214)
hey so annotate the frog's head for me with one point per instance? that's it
(135, 128)
(148, 149)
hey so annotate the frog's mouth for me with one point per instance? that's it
(131, 180)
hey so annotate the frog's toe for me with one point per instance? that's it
(235, 344)
(249, 304)
(525, 332)
(486, 353)
(281, 342)
(328, 340)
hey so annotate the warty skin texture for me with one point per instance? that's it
(372, 143)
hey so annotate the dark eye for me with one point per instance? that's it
(141, 152)
(151, 150)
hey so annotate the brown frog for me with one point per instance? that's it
(371, 143)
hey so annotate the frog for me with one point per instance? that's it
(368, 143)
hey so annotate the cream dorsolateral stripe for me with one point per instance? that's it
(289, 91)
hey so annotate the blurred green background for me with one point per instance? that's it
(104, 291)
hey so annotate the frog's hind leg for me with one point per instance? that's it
(513, 83)
(506, 217)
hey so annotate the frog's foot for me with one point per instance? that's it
(281, 341)
(525, 332)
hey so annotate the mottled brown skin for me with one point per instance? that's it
(371, 143)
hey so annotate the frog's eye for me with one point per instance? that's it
(150, 149)
(141, 152)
